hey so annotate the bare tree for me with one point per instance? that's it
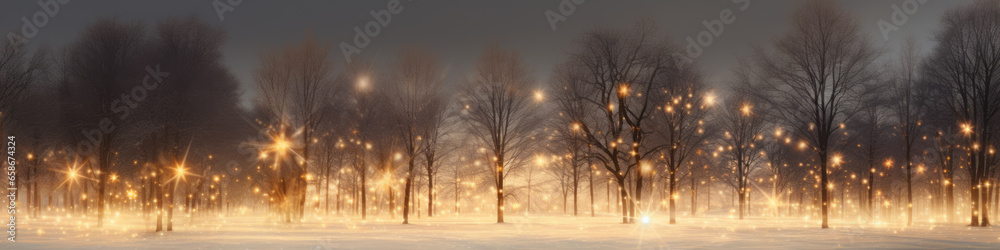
(743, 144)
(197, 98)
(813, 78)
(566, 148)
(612, 87)
(330, 136)
(940, 117)
(439, 143)
(21, 76)
(906, 111)
(966, 64)
(366, 114)
(570, 146)
(106, 62)
(18, 71)
(417, 106)
(869, 128)
(699, 174)
(294, 84)
(38, 125)
(777, 154)
(384, 147)
(501, 114)
(682, 125)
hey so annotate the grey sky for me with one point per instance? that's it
(458, 30)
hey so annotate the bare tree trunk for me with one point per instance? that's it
(774, 196)
(339, 193)
(909, 188)
(823, 186)
(591, 182)
(576, 185)
(949, 192)
(673, 205)
(789, 205)
(430, 187)
(187, 199)
(159, 204)
(105, 148)
(871, 197)
(392, 203)
(500, 194)
(801, 198)
(364, 197)
(694, 197)
(170, 212)
(415, 199)
(986, 204)
(623, 196)
(38, 198)
(974, 196)
(143, 194)
(630, 205)
(565, 198)
(326, 190)
(406, 195)
(996, 200)
(742, 200)
(304, 168)
(638, 194)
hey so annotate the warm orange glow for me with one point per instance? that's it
(281, 145)
(363, 83)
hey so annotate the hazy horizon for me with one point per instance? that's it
(459, 30)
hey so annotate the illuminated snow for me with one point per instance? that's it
(532, 232)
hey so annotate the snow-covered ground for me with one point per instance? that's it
(479, 232)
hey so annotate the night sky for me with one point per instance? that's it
(459, 30)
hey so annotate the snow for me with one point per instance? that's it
(479, 232)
